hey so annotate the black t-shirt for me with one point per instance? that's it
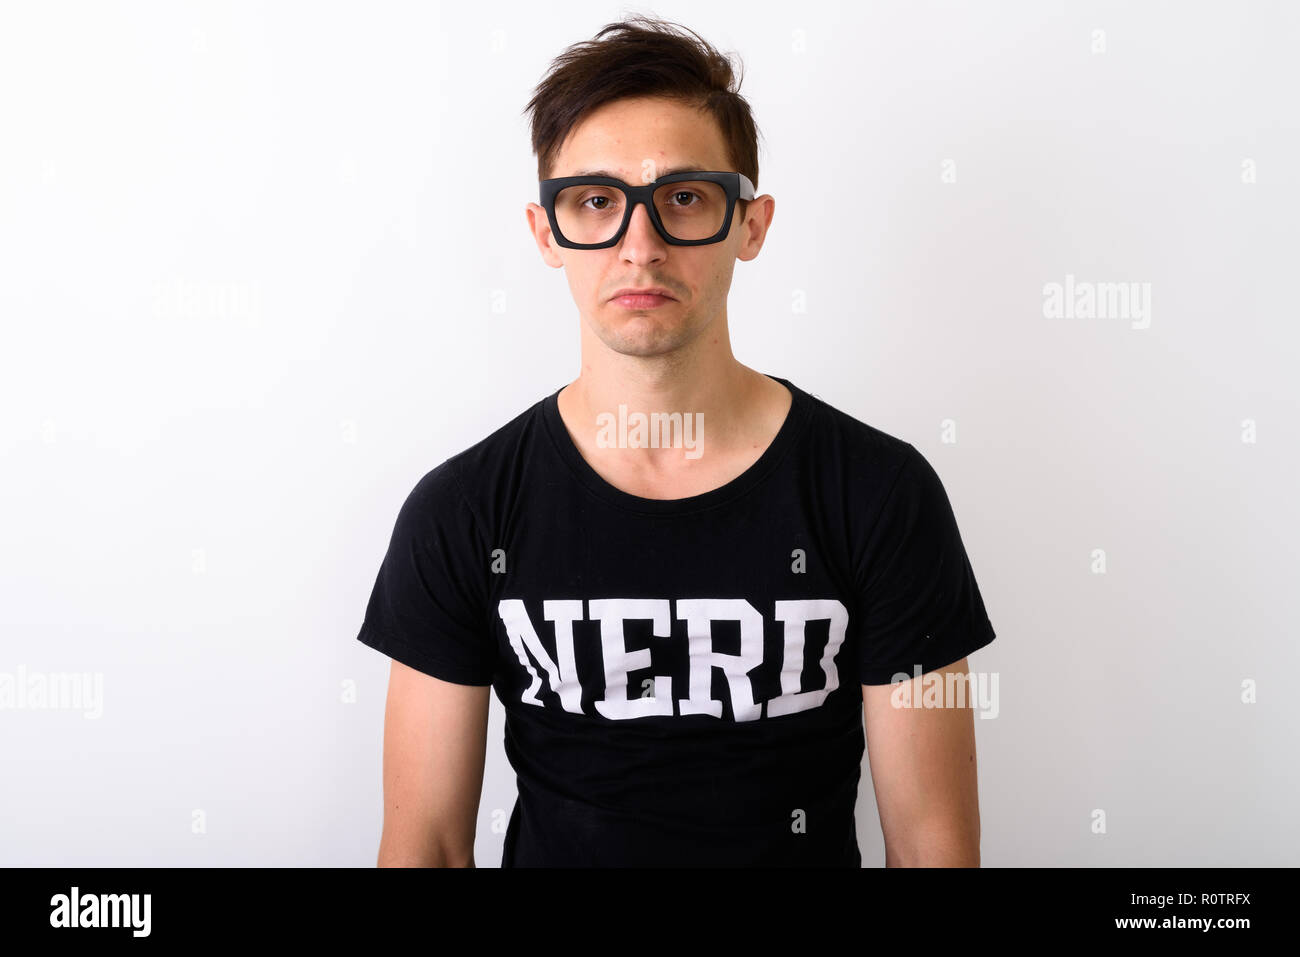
(681, 678)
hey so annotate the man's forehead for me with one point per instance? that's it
(642, 137)
(685, 167)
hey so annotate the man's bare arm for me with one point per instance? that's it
(435, 741)
(923, 771)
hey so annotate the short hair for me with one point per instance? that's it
(642, 56)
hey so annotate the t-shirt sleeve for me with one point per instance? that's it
(428, 608)
(922, 606)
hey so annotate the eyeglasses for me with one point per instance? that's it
(687, 209)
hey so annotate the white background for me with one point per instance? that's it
(262, 266)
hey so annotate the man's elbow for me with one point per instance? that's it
(425, 859)
(425, 853)
(938, 844)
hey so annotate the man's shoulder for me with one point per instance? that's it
(488, 466)
(840, 435)
(504, 445)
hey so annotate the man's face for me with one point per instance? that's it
(637, 141)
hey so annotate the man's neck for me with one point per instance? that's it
(737, 410)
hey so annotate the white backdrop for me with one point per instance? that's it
(262, 266)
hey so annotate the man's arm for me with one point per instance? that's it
(435, 741)
(923, 771)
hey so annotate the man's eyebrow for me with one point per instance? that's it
(610, 174)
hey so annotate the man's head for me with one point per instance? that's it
(640, 101)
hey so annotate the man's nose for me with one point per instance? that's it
(641, 233)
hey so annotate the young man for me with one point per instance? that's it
(687, 635)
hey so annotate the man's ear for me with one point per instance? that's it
(540, 227)
(757, 220)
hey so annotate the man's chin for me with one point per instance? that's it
(644, 347)
(641, 334)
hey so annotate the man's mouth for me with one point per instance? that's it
(648, 297)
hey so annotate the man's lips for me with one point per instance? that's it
(641, 301)
(643, 297)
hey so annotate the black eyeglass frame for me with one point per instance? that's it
(736, 185)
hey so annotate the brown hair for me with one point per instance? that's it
(642, 56)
